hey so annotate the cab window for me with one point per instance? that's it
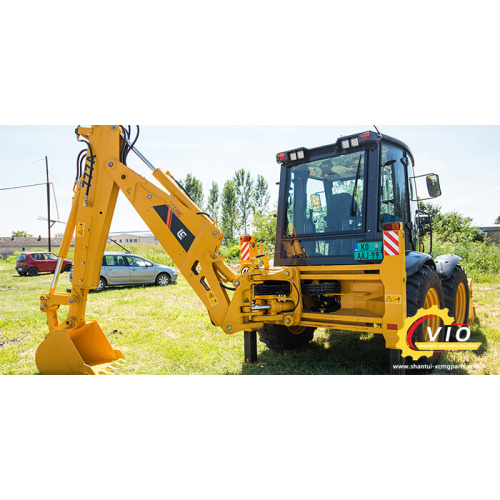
(393, 205)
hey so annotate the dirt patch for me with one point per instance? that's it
(7, 343)
(115, 332)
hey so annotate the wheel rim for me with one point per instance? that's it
(101, 285)
(431, 299)
(163, 280)
(460, 304)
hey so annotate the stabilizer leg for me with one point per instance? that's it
(250, 342)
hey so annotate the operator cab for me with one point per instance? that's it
(339, 196)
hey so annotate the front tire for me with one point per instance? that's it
(279, 338)
(163, 279)
(423, 290)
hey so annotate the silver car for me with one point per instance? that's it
(120, 268)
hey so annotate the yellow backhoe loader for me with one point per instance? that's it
(348, 251)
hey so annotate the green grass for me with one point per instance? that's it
(167, 331)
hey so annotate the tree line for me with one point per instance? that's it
(240, 207)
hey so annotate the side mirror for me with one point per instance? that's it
(433, 186)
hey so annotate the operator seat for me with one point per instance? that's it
(338, 212)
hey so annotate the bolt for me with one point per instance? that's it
(71, 301)
(236, 283)
(42, 308)
(112, 127)
(229, 328)
(110, 164)
(215, 233)
(287, 273)
(149, 196)
(287, 321)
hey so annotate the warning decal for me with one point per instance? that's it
(212, 298)
(391, 243)
(393, 299)
(80, 228)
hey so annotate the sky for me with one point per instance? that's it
(465, 158)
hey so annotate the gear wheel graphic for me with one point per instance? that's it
(402, 344)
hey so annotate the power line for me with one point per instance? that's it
(22, 166)
(27, 186)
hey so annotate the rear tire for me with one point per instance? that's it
(33, 271)
(456, 298)
(67, 269)
(423, 290)
(279, 338)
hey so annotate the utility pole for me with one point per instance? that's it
(48, 199)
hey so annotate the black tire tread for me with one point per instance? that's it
(279, 338)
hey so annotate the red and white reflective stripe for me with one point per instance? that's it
(245, 250)
(391, 243)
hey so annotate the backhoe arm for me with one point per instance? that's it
(189, 236)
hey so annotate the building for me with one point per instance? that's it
(13, 244)
(492, 232)
(144, 237)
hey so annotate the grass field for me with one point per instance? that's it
(166, 330)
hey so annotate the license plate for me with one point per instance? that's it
(369, 250)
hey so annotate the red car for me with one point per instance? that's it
(39, 262)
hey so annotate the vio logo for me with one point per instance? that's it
(181, 234)
(411, 345)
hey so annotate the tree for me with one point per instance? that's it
(261, 195)
(497, 220)
(244, 197)
(265, 230)
(194, 188)
(21, 234)
(213, 201)
(229, 215)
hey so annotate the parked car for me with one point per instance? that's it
(33, 263)
(120, 268)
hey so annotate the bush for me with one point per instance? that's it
(481, 260)
(231, 254)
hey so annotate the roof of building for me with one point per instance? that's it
(144, 234)
(493, 227)
(14, 242)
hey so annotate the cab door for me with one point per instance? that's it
(394, 201)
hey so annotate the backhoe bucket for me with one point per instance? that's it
(77, 351)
